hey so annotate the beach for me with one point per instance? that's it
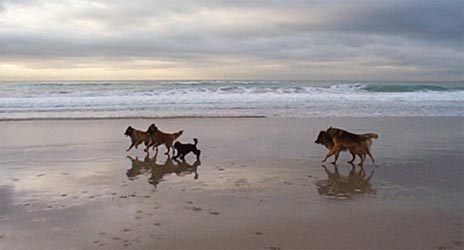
(259, 184)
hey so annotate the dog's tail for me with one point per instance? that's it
(178, 134)
(369, 136)
(195, 140)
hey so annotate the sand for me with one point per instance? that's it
(70, 184)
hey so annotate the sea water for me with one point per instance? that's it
(115, 99)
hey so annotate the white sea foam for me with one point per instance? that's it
(226, 98)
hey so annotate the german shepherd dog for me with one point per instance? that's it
(324, 139)
(159, 137)
(357, 144)
(184, 149)
(137, 137)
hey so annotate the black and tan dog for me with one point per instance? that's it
(137, 137)
(184, 149)
(159, 137)
(324, 139)
(344, 140)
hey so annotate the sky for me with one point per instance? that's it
(267, 40)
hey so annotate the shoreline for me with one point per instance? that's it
(130, 118)
(215, 117)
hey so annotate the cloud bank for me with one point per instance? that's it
(294, 40)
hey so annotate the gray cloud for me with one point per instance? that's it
(420, 35)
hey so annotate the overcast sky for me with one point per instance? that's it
(276, 39)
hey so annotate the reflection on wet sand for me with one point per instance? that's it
(337, 185)
(158, 171)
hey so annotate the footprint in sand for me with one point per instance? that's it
(197, 209)
(241, 182)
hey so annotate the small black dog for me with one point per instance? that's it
(184, 149)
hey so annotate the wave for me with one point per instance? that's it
(408, 88)
(213, 98)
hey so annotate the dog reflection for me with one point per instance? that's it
(344, 186)
(158, 171)
(139, 167)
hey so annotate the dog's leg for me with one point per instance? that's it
(168, 148)
(197, 153)
(331, 152)
(131, 146)
(336, 157)
(372, 158)
(353, 157)
(147, 148)
(363, 157)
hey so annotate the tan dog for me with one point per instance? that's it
(159, 137)
(137, 137)
(358, 144)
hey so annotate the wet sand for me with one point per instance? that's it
(70, 184)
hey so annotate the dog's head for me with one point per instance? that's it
(129, 131)
(324, 139)
(177, 145)
(152, 128)
(320, 137)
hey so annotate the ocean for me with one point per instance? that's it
(161, 99)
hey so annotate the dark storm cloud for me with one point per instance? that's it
(429, 20)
